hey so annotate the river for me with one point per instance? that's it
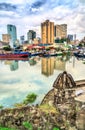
(37, 75)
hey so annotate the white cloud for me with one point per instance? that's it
(9, 14)
(74, 68)
(21, 82)
(13, 1)
(82, 1)
(25, 17)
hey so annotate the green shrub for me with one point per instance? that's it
(1, 107)
(56, 128)
(4, 128)
(28, 125)
(30, 98)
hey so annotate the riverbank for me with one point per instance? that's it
(44, 117)
(39, 117)
(58, 110)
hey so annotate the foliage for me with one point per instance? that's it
(7, 48)
(28, 125)
(80, 45)
(4, 128)
(84, 62)
(56, 128)
(1, 107)
(19, 105)
(62, 40)
(30, 98)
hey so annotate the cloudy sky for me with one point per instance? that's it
(28, 14)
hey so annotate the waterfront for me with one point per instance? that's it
(37, 75)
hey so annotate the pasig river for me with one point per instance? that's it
(37, 75)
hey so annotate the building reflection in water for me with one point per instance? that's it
(14, 65)
(7, 62)
(59, 64)
(47, 66)
(32, 61)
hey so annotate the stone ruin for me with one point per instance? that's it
(62, 97)
(64, 89)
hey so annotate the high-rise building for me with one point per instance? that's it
(37, 40)
(70, 37)
(60, 31)
(47, 32)
(11, 29)
(31, 35)
(6, 38)
(22, 39)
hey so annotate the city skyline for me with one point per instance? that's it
(47, 32)
(29, 14)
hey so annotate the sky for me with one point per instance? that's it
(29, 14)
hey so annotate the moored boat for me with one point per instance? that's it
(36, 54)
(14, 56)
(52, 54)
(79, 55)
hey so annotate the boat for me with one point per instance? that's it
(52, 54)
(79, 54)
(16, 59)
(14, 55)
(36, 54)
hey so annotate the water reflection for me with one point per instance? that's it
(35, 75)
(14, 65)
(47, 65)
(32, 61)
(59, 64)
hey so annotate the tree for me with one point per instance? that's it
(30, 98)
(7, 48)
(80, 44)
(60, 40)
(1, 107)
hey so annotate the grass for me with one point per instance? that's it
(27, 125)
(5, 128)
(47, 108)
(30, 98)
(30, 127)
